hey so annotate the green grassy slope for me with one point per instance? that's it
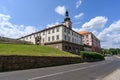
(31, 50)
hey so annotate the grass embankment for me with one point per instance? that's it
(32, 50)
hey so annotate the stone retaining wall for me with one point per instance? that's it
(9, 63)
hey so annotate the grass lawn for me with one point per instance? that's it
(31, 50)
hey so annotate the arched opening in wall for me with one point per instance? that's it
(37, 40)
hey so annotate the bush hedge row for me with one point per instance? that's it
(91, 55)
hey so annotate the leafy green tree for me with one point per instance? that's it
(118, 50)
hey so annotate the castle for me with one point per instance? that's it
(60, 36)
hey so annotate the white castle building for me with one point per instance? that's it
(59, 36)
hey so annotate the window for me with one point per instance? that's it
(87, 43)
(68, 38)
(68, 31)
(30, 37)
(53, 31)
(39, 34)
(48, 31)
(75, 40)
(65, 37)
(72, 32)
(80, 37)
(57, 37)
(52, 38)
(43, 33)
(64, 29)
(43, 40)
(34, 35)
(75, 34)
(86, 36)
(48, 38)
(57, 29)
(72, 39)
(87, 40)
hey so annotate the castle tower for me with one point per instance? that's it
(67, 21)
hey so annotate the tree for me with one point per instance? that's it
(113, 51)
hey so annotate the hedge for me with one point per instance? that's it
(91, 55)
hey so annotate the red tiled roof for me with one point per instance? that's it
(83, 32)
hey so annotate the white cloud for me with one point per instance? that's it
(8, 29)
(60, 10)
(52, 24)
(110, 36)
(79, 15)
(95, 24)
(78, 3)
(75, 29)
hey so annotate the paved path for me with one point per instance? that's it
(81, 71)
(113, 76)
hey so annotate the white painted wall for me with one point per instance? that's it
(45, 34)
(72, 36)
(29, 38)
(91, 39)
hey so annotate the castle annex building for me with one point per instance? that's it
(89, 39)
(60, 36)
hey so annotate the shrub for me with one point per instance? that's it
(91, 55)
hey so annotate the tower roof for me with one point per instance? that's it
(66, 16)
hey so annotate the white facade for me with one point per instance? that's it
(90, 39)
(71, 36)
(54, 34)
(87, 39)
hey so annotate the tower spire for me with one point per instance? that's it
(66, 16)
(67, 21)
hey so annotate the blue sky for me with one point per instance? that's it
(22, 17)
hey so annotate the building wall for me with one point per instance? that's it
(71, 47)
(55, 34)
(91, 40)
(66, 46)
(29, 38)
(57, 45)
(48, 35)
(71, 36)
(87, 48)
(44, 35)
(87, 39)
(58, 37)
